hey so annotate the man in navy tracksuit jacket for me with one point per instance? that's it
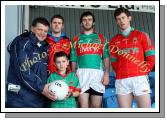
(26, 82)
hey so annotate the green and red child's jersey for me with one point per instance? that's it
(73, 82)
(88, 50)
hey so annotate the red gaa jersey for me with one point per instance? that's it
(131, 55)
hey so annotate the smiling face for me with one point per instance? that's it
(123, 21)
(40, 31)
(87, 22)
(57, 25)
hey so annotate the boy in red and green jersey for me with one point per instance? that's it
(64, 73)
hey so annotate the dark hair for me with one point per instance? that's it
(87, 13)
(121, 10)
(41, 20)
(60, 54)
(57, 16)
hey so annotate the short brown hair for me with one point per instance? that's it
(60, 54)
(87, 13)
(121, 10)
(57, 16)
(41, 20)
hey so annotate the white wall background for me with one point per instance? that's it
(11, 30)
(11, 18)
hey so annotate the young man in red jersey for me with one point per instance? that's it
(57, 40)
(128, 51)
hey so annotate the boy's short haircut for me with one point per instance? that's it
(87, 13)
(121, 10)
(41, 20)
(60, 54)
(57, 16)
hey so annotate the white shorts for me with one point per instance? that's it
(137, 85)
(91, 78)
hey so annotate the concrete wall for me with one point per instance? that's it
(105, 22)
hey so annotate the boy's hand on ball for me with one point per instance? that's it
(68, 95)
(75, 94)
(54, 95)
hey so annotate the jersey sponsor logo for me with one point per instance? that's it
(89, 47)
(131, 50)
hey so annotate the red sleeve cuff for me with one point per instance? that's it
(77, 90)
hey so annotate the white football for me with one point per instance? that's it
(60, 88)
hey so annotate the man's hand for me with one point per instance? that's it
(46, 92)
(107, 71)
(106, 79)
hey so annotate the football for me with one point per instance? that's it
(60, 88)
